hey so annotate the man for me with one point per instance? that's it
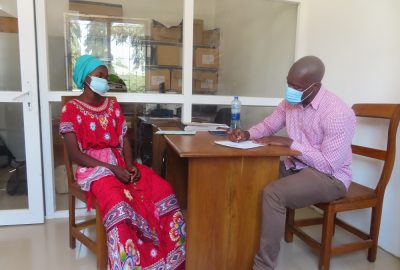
(321, 127)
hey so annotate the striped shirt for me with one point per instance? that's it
(322, 132)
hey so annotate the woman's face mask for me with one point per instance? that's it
(294, 96)
(99, 85)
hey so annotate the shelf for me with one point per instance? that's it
(174, 43)
(180, 67)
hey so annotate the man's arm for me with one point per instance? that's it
(338, 135)
(271, 124)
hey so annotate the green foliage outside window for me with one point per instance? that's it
(119, 44)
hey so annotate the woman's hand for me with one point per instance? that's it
(122, 174)
(135, 173)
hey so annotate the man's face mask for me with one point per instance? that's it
(294, 96)
(99, 85)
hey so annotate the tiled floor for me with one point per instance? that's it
(42, 247)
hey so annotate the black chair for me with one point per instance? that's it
(223, 116)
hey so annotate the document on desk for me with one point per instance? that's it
(240, 145)
(175, 132)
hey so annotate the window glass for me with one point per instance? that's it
(140, 42)
(120, 44)
(241, 53)
(249, 115)
(13, 179)
(10, 79)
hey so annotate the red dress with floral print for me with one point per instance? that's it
(144, 225)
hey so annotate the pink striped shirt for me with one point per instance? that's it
(322, 132)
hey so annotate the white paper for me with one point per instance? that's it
(240, 145)
(204, 126)
(175, 132)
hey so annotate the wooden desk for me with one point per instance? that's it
(151, 151)
(221, 188)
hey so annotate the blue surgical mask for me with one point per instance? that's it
(294, 96)
(99, 85)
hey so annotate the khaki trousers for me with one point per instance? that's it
(293, 190)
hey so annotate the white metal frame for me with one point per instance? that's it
(28, 97)
(187, 99)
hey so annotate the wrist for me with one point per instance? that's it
(246, 135)
(110, 167)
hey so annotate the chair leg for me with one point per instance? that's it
(326, 241)
(289, 222)
(334, 226)
(374, 231)
(101, 243)
(71, 207)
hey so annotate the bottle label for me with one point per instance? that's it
(235, 116)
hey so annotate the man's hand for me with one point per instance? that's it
(275, 140)
(238, 135)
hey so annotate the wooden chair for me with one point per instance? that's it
(357, 197)
(76, 229)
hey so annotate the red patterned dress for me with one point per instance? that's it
(145, 227)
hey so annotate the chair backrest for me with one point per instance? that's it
(67, 159)
(223, 116)
(384, 111)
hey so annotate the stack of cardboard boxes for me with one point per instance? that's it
(168, 58)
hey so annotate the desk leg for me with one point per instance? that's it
(224, 210)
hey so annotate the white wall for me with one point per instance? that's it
(359, 42)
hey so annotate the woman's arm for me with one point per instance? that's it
(87, 161)
(127, 151)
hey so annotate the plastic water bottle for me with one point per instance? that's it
(235, 113)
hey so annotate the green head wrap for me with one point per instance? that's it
(85, 65)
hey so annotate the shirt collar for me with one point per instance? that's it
(318, 98)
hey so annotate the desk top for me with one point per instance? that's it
(202, 145)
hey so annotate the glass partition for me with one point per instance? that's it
(243, 48)
(140, 41)
(13, 178)
(235, 52)
(9, 41)
(249, 115)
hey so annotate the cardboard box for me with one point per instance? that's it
(154, 77)
(198, 25)
(176, 80)
(161, 32)
(211, 37)
(205, 82)
(8, 25)
(168, 55)
(206, 57)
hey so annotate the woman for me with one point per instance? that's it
(143, 222)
